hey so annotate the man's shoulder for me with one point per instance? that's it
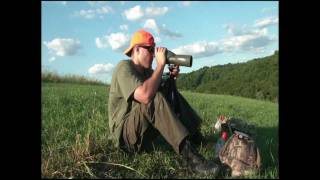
(124, 63)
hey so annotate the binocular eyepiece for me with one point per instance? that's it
(177, 59)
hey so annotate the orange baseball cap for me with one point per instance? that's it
(140, 37)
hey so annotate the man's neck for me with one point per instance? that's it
(138, 67)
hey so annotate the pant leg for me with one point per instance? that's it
(157, 114)
(188, 116)
(135, 126)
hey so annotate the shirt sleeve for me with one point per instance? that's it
(128, 80)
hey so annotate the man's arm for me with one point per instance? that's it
(148, 89)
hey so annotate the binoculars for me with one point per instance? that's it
(177, 59)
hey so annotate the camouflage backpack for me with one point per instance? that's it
(241, 154)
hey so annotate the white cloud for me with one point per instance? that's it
(52, 59)
(262, 23)
(156, 11)
(255, 40)
(103, 10)
(137, 12)
(236, 30)
(124, 27)
(186, 3)
(94, 3)
(169, 33)
(244, 38)
(199, 49)
(54, 2)
(92, 13)
(101, 42)
(100, 68)
(241, 40)
(134, 13)
(88, 14)
(63, 47)
(151, 24)
(118, 41)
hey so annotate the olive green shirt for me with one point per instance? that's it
(125, 80)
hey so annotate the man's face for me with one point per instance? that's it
(145, 56)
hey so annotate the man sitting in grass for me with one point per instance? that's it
(139, 111)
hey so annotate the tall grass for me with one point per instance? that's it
(53, 77)
(75, 132)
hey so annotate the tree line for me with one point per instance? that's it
(53, 77)
(257, 78)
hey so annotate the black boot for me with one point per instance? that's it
(197, 138)
(197, 162)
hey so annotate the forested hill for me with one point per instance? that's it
(257, 78)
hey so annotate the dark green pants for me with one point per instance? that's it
(145, 122)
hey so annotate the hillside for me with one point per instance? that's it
(257, 78)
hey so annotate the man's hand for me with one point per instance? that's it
(160, 54)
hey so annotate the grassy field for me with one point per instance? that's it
(75, 132)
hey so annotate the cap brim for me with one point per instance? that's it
(128, 51)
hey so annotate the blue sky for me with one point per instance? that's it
(88, 38)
